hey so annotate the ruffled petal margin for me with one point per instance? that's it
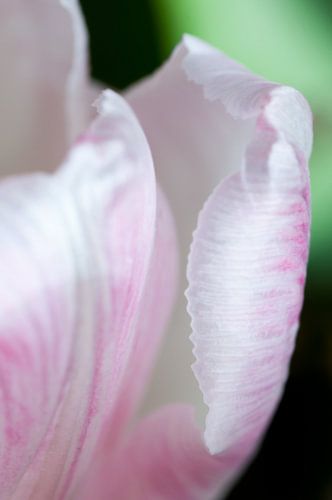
(247, 262)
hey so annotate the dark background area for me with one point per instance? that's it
(124, 44)
(295, 461)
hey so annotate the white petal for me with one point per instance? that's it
(43, 91)
(219, 133)
(75, 253)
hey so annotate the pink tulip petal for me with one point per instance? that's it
(37, 317)
(248, 258)
(155, 308)
(164, 459)
(43, 93)
(246, 276)
(156, 305)
(195, 142)
(75, 255)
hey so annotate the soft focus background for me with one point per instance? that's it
(291, 42)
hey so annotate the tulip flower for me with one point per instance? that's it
(97, 212)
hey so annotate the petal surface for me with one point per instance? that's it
(74, 260)
(43, 92)
(156, 305)
(246, 276)
(195, 142)
(164, 458)
(248, 257)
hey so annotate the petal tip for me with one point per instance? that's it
(108, 102)
(290, 114)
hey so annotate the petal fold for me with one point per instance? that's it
(232, 151)
(246, 276)
(184, 109)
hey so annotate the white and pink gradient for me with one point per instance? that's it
(189, 194)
